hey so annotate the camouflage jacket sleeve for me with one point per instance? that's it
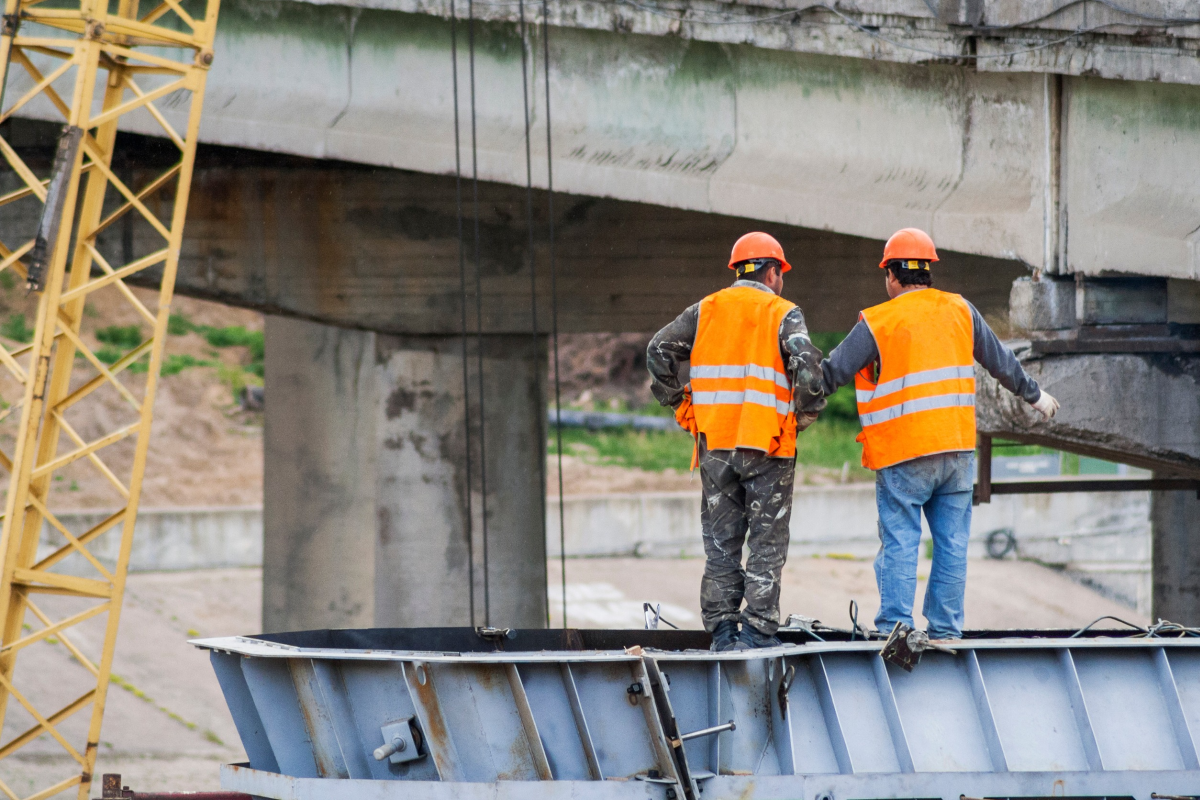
(804, 363)
(669, 348)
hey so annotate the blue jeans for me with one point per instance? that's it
(941, 485)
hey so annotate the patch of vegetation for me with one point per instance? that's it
(828, 443)
(125, 337)
(176, 363)
(15, 328)
(655, 451)
(228, 336)
(109, 354)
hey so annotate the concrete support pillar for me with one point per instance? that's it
(319, 478)
(1175, 532)
(367, 490)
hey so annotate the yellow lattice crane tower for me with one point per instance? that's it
(95, 63)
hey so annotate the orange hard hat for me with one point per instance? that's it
(909, 243)
(758, 245)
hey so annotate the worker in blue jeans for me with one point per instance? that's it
(912, 360)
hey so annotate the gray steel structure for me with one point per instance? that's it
(439, 713)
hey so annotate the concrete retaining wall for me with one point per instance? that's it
(1102, 539)
(169, 539)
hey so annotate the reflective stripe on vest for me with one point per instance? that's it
(737, 398)
(741, 394)
(913, 406)
(742, 371)
(924, 401)
(915, 379)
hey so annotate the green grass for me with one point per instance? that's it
(828, 443)
(236, 378)
(229, 336)
(654, 451)
(16, 329)
(176, 363)
(125, 337)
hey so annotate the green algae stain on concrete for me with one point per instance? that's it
(1129, 106)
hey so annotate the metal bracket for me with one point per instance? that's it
(785, 685)
(401, 742)
(985, 488)
(10, 25)
(905, 646)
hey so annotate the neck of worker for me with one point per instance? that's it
(753, 285)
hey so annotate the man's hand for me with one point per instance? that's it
(804, 420)
(1047, 405)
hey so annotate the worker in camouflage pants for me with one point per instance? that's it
(747, 500)
(754, 384)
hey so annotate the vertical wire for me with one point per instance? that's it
(462, 282)
(487, 606)
(562, 518)
(537, 370)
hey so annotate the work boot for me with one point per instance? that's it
(752, 637)
(725, 637)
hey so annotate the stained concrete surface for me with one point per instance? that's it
(176, 733)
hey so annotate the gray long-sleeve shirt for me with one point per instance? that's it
(672, 346)
(859, 350)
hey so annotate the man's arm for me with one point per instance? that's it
(669, 348)
(997, 359)
(803, 360)
(855, 352)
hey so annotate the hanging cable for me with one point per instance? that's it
(562, 518)
(462, 281)
(537, 370)
(483, 517)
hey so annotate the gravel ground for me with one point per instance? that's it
(167, 727)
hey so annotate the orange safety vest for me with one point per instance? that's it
(741, 393)
(924, 399)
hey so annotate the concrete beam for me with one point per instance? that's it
(1133, 408)
(711, 118)
(370, 515)
(378, 249)
(806, 120)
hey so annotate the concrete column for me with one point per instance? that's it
(367, 496)
(319, 477)
(421, 552)
(1175, 560)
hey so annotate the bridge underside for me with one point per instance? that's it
(368, 491)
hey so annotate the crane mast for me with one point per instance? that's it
(93, 66)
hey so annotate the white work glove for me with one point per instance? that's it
(1047, 405)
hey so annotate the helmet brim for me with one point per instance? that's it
(883, 264)
(784, 266)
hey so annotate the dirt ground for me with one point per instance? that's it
(204, 450)
(167, 727)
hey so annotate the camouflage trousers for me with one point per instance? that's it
(747, 500)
